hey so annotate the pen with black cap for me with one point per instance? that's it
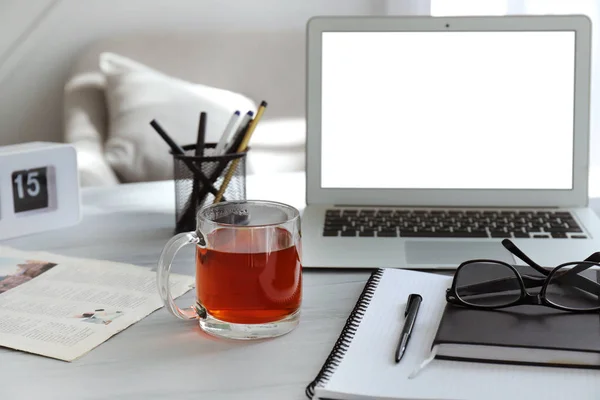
(410, 316)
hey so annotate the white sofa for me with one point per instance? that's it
(259, 65)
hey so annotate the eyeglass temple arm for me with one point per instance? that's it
(510, 246)
(571, 277)
(581, 282)
(499, 285)
(595, 258)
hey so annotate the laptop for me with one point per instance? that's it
(431, 139)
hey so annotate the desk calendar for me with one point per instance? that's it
(39, 188)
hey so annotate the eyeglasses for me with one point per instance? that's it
(491, 284)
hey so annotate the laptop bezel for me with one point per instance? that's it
(575, 197)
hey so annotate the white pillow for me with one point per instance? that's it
(137, 94)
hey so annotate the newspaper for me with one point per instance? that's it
(63, 307)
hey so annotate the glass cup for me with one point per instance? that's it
(248, 269)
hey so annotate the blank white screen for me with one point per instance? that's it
(450, 110)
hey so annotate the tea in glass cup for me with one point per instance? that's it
(248, 269)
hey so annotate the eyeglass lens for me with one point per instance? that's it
(487, 284)
(565, 287)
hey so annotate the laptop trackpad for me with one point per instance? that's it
(453, 252)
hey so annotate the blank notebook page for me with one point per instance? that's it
(368, 370)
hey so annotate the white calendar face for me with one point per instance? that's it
(39, 188)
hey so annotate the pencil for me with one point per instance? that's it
(190, 212)
(201, 135)
(179, 151)
(174, 146)
(242, 147)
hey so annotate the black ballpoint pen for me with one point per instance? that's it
(410, 314)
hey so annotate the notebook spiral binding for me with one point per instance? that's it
(343, 342)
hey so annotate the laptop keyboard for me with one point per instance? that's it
(371, 222)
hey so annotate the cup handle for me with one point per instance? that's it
(164, 269)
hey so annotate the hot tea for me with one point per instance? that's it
(239, 281)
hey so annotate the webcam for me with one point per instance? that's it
(447, 25)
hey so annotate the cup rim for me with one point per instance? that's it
(200, 218)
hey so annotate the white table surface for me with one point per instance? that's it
(160, 356)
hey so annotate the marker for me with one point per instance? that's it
(220, 149)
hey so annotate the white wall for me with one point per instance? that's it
(16, 19)
(39, 39)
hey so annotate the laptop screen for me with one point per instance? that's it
(447, 110)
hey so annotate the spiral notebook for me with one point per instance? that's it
(361, 364)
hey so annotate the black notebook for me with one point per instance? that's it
(361, 363)
(522, 334)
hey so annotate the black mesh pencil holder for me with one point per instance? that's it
(198, 180)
